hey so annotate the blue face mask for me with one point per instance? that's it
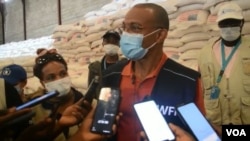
(131, 45)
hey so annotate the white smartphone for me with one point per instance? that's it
(153, 122)
(197, 123)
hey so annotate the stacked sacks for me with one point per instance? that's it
(84, 43)
(80, 43)
(83, 40)
(24, 48)
(187, 33)
(23, 53)
(171, 43)
(211, 3)
(211, 26)
(245, 6)
(191, 23)
(65, 37)
(82, 49)
(94, 35)
(183, 6)
(79, 76)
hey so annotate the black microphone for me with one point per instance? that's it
(89, 95)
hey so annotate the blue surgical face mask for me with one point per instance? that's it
(131, 45)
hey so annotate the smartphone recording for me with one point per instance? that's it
(153, 122)
(198, 124)
(106, 110)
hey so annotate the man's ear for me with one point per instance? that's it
(162, 35)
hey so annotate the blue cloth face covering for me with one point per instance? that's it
(131, 45)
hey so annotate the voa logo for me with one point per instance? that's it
(236, 132)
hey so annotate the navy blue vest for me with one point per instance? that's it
(175, 85)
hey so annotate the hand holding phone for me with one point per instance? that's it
(148, 112)
(180, 133)
(198, 124)
(106, 110)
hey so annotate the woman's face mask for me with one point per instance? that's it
(230, 33)
(63, 86)
(131, 45)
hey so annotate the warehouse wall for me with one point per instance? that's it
(42, 16)
(1, 30)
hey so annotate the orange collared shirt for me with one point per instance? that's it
(133, 91)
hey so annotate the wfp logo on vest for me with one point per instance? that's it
(236, 131)
(167, 110)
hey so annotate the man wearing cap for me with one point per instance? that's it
(224, 64)
(110, 45)
(16, 76)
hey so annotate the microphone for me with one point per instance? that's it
(89, 95)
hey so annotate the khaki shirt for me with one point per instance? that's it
(233, 104)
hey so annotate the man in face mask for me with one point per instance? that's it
(111, 48)
(224, 64)
(148, 71)
(16, 76)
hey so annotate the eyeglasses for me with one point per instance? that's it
(134, 27)
(48, 58)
